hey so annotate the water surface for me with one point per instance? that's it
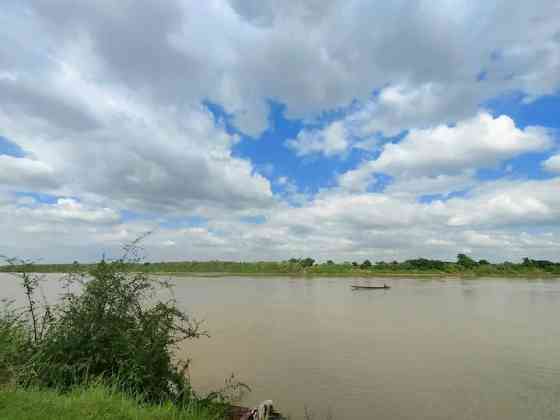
(426, 349)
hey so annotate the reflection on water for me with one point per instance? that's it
(473, 349)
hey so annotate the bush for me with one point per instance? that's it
(112, 328)
(366, 265)
(12, 340)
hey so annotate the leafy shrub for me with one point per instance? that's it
(12, 339)
(111, 328)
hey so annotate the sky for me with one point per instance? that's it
(266, 130)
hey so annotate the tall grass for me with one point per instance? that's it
(94, 402)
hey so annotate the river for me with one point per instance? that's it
(425, 349)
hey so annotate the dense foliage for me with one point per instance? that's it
(464, 265)
(12, 339)
(108, 325)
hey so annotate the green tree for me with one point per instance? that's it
(307, 262)
(366, 264)
(466, 261)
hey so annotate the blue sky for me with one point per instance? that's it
(267, 130)
(317, 172)
(10, 149)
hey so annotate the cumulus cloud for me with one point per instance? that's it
(507, 203)
(26, 173)
(400, 107)
(435, 160)
(329, 141)
(552, 164)
(139, 155)
(62, 230)
(356, 180)
(502, 219)
(303, 58)
(395, 109)
(482, 141)
(426, 185)
(70, 209)
(106, 101)
(109, 108)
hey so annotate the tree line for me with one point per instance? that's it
(307, 265)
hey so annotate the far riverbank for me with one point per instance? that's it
(464, 267)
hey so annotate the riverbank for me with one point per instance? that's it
(53, 362)
(94, 403)
(313, 272)
(464, 267)
(371, 275)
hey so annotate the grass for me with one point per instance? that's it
(94, 403)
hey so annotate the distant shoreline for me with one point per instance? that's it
(373, 275)
(464, 267)
(317, 274)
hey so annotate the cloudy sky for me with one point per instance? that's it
(262, 129)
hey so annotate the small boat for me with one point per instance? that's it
(384, 287)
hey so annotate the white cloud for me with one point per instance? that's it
(482, 240)
(552, 164)
(26, 173)
(440, 184)
(290, 191)
(303, 56)
(492, 221)
(60, 231)
(329, 141)
(356, 180)
(395, 109)
(499, 220)
(399, 107)
(69, 209)
(443, 159)
(482, 141)
(507, 203)
(139, 155)
(105, 100)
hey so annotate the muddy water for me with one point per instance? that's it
(476, 349)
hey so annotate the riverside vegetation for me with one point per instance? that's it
(464, 266)
(104, 351)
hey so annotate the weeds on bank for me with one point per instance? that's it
(109, 326)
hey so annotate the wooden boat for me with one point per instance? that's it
(384, 287)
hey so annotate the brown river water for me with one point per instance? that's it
(481, 349)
